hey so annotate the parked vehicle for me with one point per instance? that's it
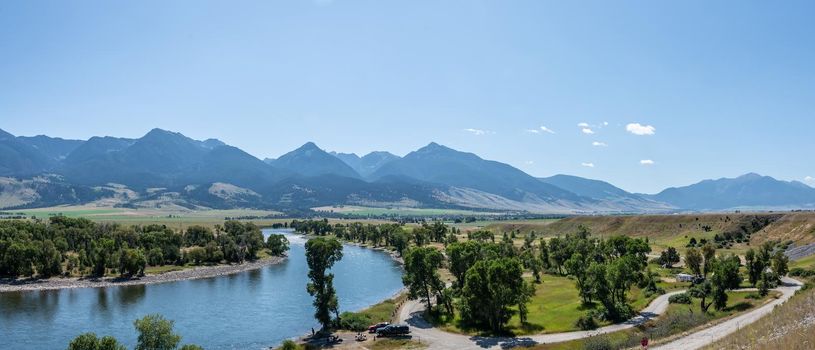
(374, 328)
(394, 329)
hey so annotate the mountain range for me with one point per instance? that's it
(164, 168)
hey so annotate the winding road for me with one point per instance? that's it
(411, 313)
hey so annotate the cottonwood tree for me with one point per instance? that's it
(709, 253)
(693, 259)
(491, 288)
(321, 254)
(725, 277)
(89, 341)
(421, 273)
(156, 333)
(277, 244)
(669, 257)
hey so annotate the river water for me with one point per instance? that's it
(249, 310)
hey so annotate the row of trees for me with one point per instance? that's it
(78, 246)
(155, 333)
(390, 234)
(765, 268)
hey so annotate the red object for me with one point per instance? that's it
(644, 342)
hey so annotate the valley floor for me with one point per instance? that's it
(18, 285)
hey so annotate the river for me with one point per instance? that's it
(249, 310)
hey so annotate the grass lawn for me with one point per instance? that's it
(805, 263)
(555, 308)
(677, 319)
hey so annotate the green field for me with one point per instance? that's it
(170, 217)
(361, 211)
(555, 308)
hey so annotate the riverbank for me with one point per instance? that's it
(54, 283)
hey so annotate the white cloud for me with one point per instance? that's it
(529, 162)
(587, 131)
(477, 132)
(639, 129)
(588, 165)
(545, 129)
(647, 162)
(583, 125)
(605, 123)
(810, 180)
(599, 144)
(532, 131)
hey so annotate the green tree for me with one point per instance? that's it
(491, 287)
(156, 333)
(693, 259)
(321, 254)
(49, 262)
(725, 277)
(462, 256)
(576, 266)
(421, 273)
(702, 291)
(709, 253)
(277, 244)
(780, 264)
(544, 254)
(399, 240)
(191, 347)
(753, 266)
(669, 257)
(89, 341)
(132, 262)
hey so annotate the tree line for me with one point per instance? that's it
(77, 246)
(155, 333)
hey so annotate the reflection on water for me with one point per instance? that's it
(251, 310)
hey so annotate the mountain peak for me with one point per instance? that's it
(308, 146)
(4, 135)
(750, 176)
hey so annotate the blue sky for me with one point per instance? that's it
(728, 86)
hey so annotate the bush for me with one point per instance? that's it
(353, 321)
(800, 272)
(598, 342)
(289, 345)
(682, 298)
(586, 323)
(753, 296)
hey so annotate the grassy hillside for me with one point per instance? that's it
(676, 230)
(789, 326)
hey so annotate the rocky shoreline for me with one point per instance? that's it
(21, 285)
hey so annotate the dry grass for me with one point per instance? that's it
(789, 326)
(675, 230)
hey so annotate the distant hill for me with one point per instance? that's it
(367, 164)
(605, 191)
(435, 163)
(19, 158)
(54, 148)
(310, 160)
(746, 191)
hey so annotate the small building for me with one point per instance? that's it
(684, 277)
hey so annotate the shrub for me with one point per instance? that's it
(598, 342)
(353, 321)
(586, 323)
(289, 345)
(682, 298)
